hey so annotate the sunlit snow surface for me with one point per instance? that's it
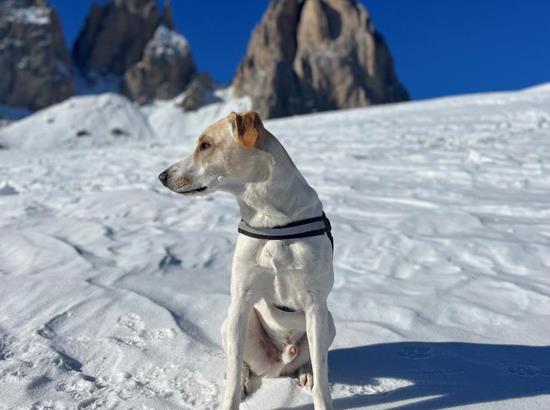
(112, 289)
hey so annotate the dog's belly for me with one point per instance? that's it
(281, 326)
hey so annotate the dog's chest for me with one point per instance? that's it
(281, 264)
(278, 256)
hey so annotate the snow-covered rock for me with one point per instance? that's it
(114, 36)
(34, 62)
(133, 42)
(167, 42)
(199, 92)
(34, 14)
(165, 69)
(79, 122)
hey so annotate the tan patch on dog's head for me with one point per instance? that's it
(210, 139)
(246, 129)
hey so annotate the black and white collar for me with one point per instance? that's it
(304, 228)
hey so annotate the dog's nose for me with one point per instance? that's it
(163, 177)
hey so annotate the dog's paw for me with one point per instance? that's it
(305, 376)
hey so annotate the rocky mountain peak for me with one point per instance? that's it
(134, 40)
(304, 56)
(34, 61)
(115, 35)
(316, 55)
(165, 69)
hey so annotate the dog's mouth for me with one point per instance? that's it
(191, 191)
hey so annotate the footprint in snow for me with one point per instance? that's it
(140, 334)
(132, 321)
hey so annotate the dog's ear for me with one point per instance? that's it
(246, 128)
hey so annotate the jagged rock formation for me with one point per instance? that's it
(115, 35)
(165, 69)
(316, 55)
(197, 93)
(35, 64)
(135, 41)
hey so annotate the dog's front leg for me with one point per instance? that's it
(236, 329)
(318, 335)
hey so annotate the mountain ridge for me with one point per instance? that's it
(114, 46)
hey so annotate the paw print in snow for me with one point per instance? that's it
(132, 321)
(140, 334)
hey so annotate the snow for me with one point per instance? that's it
(114, 289)
(171, 122)
(82, 121)
(28, 15)
(167, 42)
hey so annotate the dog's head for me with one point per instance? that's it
(224, 157)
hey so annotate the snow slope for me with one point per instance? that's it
(170, 122)
(113, 289)
(82, 121)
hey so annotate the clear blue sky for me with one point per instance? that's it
(441, 47)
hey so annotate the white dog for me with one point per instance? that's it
(278, 322)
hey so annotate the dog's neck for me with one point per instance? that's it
(278, 194)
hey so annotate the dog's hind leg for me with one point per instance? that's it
(302, 362)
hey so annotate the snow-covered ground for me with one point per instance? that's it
(112, 289)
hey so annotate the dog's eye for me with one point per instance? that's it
(204, 146)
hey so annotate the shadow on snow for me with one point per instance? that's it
(439, 375)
